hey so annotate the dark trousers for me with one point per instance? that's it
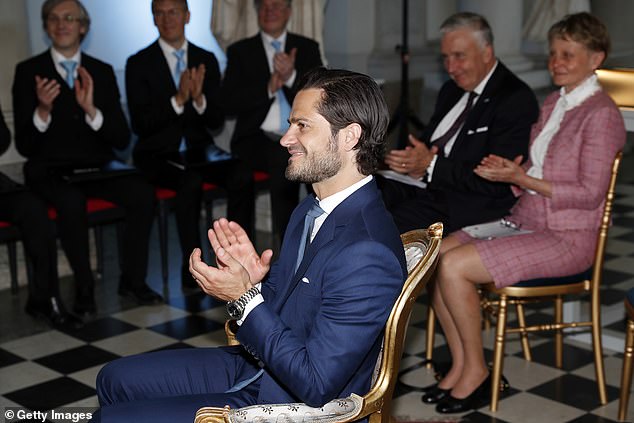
(29, 214)
(131, 192)
(169, 386)
(234, 176)
(413, 207)
(267, 155)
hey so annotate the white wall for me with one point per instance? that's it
(120, 28)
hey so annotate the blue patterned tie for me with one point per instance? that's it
(69, 66)
(178, 71)
(285, 108)
(309, 221)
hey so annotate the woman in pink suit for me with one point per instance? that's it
(561, 190)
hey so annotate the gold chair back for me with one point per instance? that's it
(376, 404)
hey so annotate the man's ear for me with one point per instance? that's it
(351, 135)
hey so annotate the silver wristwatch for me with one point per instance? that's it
(236, 308)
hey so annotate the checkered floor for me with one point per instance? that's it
(44, 369)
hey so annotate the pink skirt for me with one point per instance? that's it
(540, 254)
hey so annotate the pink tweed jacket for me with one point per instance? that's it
(578, 162)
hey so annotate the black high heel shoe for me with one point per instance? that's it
(434, 394)
(476, 399)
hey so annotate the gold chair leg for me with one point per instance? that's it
(597, 347)
(626, 373)
(559, 336)
(498, 353)
(429, 336)
(521, 318)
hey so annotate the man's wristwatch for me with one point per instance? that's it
(236, 308)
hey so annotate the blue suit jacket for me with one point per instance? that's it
(319, 330)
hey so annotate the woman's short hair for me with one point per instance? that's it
(84, 17)
(583, 28)
(347, 98)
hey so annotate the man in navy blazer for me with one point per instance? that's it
(259, 82)
(311, 325)
(171, 112)
(68, 114)
(499, 122)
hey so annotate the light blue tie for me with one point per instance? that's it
(285, 108)
(180, 65)
(69, 66)
(178, 71)
(309, 221)
(243, 383)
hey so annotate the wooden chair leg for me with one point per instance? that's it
(162, 229)
(597, 347)
(626, 373)
(13, 266)
(521, 319)
(98, 231)
(429, 336)
(559, 336)
(498, 353)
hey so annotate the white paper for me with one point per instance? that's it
(496, 229)
(399, 177)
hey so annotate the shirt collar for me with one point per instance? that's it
(480, 87)
(267, 39)
(329, 203)
(580, 93)
(168, 49)
(59, 57)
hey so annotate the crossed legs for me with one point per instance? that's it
(457, 305)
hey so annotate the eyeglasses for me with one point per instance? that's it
(56, 20)
(171, 13)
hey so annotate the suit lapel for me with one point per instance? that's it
(332, 226)
(160, 68)
(489, 92)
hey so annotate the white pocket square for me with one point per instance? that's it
(305, 280)
(478, 130)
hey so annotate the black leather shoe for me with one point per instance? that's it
(435, 394)
(142, 294)
(85, 306)
(477, 399)
(54, 312)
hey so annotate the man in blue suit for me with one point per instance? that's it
(311, 324)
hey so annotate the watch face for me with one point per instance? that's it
(235, 312)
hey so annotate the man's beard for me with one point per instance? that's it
(316, 166)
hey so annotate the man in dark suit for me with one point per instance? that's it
(29, 214)
(259, 86)
(311, 327)
(68, 115)
(173, 106)
(483, 109)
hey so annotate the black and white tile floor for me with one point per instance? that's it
(43, 369)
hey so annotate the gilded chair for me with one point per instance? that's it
(421, 248)
(554, 289)
(628, 355)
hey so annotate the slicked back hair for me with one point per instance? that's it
(349, 97)
(478, 25)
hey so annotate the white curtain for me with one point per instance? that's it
(232, 20)
(546, 12)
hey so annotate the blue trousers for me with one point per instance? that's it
(170, 386)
